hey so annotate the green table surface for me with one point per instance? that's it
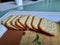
(53, 6)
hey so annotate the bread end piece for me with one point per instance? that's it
(48, 26)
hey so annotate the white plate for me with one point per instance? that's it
(54, 16)
(3, 29)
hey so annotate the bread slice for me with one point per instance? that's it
(13, 22)
(35, 22)
(29, 22)
(4, 21)
(18, 24)
(23, 19)
(8, 23)
(48, 26)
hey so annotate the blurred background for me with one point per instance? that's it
(14, 0)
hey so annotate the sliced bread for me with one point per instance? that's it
(23, 19)
(13, 22)
(18, 24)
(35, 22)
(48, 26)
(29, 22)
(5, 20)
(8, 23)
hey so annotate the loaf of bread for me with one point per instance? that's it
(48, 26)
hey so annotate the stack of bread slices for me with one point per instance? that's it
(23, 22)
